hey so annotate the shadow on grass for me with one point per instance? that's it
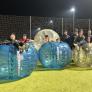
(72, 67)
(2, 81)
(6, 81)
(41, 68)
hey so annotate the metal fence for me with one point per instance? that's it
(59, 24)
(31, 25)
(14, 24)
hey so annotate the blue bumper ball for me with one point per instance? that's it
(15, 65)
(55, 55)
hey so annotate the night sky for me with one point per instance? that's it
(57, 8)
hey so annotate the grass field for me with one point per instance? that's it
(72, 79)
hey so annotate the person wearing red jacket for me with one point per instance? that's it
(23, 42)
(24, 39)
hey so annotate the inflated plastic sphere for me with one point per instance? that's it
(15, 65)
(40, 36)
(55, 55)
(82, 56)
(29, 60)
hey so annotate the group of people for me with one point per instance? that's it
(19, 44)
(77, 38)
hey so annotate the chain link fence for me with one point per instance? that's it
(23, 25)
(59, 24)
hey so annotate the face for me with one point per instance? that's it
(81, 33)
(65, 32)
(89, 40)
(12, 36)
(24, 37)
(76, 33)
(46, 39)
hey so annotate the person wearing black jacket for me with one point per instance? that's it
(12, 40)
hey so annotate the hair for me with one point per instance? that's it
(46, 36)
(65, 31)
(12, 34)
(81, 30)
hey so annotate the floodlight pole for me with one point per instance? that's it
(73, 11)
(73, 21)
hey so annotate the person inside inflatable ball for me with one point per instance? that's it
(19, 44)
(80, 39)
(46, 38)
(23, 42)
(12, 40)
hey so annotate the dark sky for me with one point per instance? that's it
(47, 7)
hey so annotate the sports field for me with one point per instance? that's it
(72, 79)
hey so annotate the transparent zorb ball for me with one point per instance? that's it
(55, 55)
(15, 65)
(82, 56)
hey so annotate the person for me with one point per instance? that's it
(12, 40)
(24, 39)
(24, 42)
(89, 44)
(90, 34)
(89, 39)
(75, 35)
(80, 40)
(65, 36)
(73, 38)
(46, 38)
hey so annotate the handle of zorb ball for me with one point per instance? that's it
(19, 58)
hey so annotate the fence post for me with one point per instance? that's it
(62, 25)
(30, 26)
(89, 24)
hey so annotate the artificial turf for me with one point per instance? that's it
(71, 79)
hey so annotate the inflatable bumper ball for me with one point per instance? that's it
(27, 60)
(15, 65)
(55, 55)
(82, 56)
(8, 62)
(39, 38)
